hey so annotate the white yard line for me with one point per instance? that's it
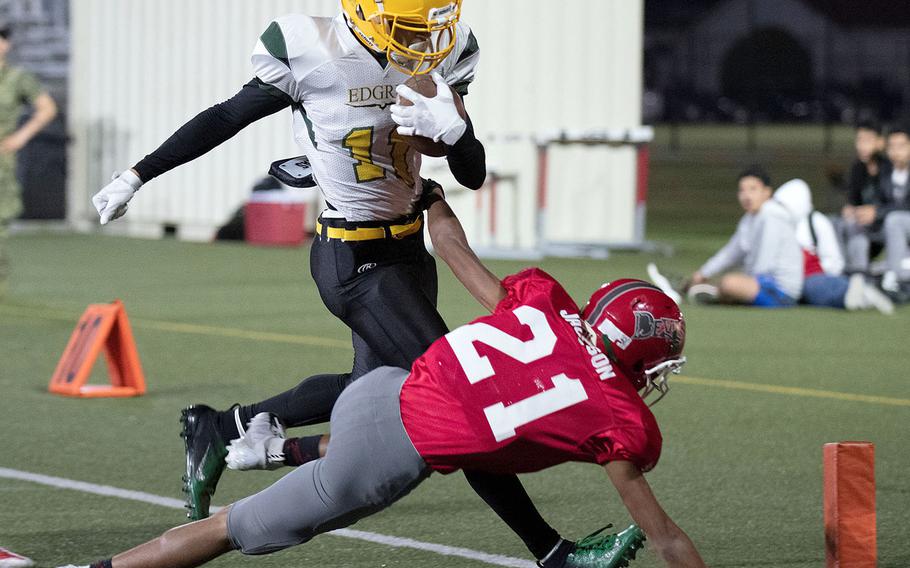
(393, 541)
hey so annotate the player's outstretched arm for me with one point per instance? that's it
(452, 246)
(667, 539)
(205, 131)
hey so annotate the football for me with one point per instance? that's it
(425, 85)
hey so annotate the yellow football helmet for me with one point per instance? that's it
(415, 35)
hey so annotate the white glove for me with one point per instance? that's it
(112, 201)
(435, 118)
(260, 447)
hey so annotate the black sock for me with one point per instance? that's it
(227, 425)
(505, 495)
(556, 558)
(310, 402)
(298, 451)
(103, 564)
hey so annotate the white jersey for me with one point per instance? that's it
(341, 96)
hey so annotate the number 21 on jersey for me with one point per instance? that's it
(504, 419)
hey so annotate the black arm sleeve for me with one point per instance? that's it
(212, 127)
(468, 160)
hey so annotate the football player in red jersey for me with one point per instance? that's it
(535, 384)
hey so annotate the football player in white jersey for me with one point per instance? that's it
(340, 77)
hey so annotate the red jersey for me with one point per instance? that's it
(521, 390)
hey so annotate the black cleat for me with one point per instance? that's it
(205, 453)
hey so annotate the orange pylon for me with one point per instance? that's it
(849, 510)
(101, 326)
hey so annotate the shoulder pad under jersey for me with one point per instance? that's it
(291, 48)
(459, 67)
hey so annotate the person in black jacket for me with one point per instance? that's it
(863, 237)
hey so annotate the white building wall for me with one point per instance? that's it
(141, 69)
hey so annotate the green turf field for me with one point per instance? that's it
(741, 468)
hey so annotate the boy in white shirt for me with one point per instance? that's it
(764, 247)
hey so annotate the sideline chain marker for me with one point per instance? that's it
(101, 326)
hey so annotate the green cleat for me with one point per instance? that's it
(205, 453)
(607, 551)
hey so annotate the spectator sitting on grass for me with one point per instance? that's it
(862, 236)
(764, 246)
(823, 263)
(892, 210)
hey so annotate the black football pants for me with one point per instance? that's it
(385, 291)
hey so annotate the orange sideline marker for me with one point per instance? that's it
(101, 326)
(850, 532)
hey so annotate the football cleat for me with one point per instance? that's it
(205, 453)
(607, 551)
(9, 559)
(261, 447)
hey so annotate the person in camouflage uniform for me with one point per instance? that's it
(17, 88)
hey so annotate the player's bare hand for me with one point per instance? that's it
(113, 200)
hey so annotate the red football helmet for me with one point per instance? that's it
(643, 332)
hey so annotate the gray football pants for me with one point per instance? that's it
(897, 233)
(370, 463)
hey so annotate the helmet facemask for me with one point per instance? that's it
(417, 48)
(656, 379)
